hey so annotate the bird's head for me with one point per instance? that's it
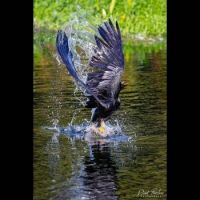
(123, 84)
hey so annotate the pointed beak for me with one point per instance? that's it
(123, 84)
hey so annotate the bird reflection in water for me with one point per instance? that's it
(100, 172)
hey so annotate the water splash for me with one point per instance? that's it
(86, 132)
(81, 41)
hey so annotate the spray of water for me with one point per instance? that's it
(81, 41)
(80, 33)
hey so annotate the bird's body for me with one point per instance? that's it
(102, 86)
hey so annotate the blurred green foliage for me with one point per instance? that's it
(147, 17)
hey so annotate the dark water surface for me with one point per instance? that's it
(74, 169)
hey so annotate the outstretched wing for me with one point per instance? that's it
(109, 62)
(67, 58)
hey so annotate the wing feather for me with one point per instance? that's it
(109, 61)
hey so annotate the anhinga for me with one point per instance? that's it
(103, 86)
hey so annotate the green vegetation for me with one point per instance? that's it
(44, 47)
(146, 17)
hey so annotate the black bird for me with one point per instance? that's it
(103, 86)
